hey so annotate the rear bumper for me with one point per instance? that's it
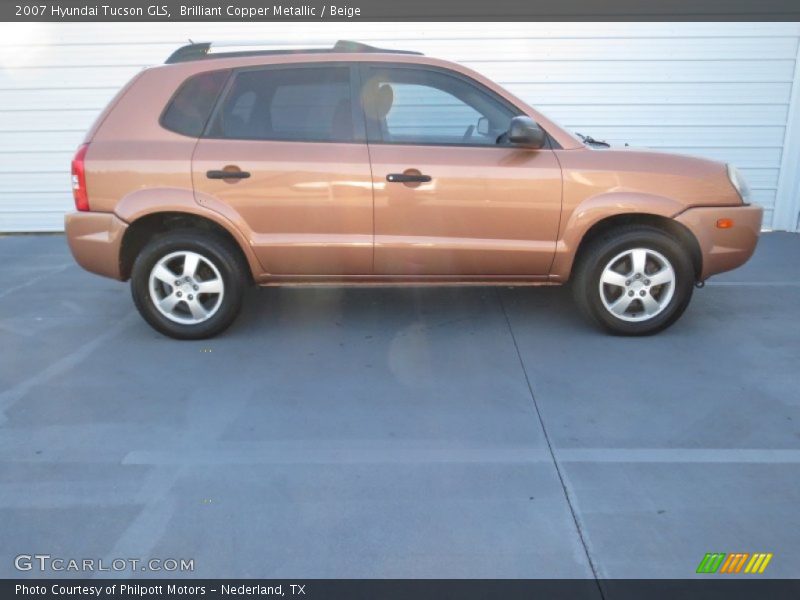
(95, 240)
(723, 249)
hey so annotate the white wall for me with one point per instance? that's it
(728, 91)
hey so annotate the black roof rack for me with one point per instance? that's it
(201, 51)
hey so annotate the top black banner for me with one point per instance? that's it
(400, 10)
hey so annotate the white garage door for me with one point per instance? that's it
(726, 91)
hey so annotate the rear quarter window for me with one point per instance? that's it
(189, 109)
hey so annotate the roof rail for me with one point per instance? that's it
(203, 50)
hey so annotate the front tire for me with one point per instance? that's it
(188, 284)
(634, 280)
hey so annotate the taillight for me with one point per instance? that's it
(79, 179)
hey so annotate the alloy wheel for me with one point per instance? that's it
(186, 287)
(637, 284)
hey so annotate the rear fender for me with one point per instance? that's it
(142, 203)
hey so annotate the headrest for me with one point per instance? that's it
(383, 100)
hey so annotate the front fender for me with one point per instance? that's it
(577, 222)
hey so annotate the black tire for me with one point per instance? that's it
(211, 247)
(600, 252)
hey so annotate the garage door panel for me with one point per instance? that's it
(41, 141)
(12, 101)
(32, 221)
(662, 115)
(640, 71)
(34, 162)
(717, 90)
(36, 202)
(743, 158)
(50, 120)
(53, 78)
(762, 178)
(593, 49)
(659, 93)
(706, 137)
(109, 54)
(40, 181)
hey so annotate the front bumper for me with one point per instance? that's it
(95, 240)
(723, 249)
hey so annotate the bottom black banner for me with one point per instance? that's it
(391, 589)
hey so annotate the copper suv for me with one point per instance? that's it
(356, 165)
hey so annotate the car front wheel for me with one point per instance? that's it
(635, 280)
(187, 284)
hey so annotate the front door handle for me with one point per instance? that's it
(407, 178)
(227, 174)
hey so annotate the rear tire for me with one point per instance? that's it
(188, 284)
(633, 280)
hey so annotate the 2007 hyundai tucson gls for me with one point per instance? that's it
(357, 165)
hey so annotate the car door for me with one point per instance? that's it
(449, 199)
(285, 153)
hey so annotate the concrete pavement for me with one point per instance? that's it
(416, 432)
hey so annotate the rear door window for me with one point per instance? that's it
(307, 104)
(191, 106)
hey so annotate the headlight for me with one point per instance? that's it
(738, 183)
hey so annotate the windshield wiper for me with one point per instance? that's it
(587, 139)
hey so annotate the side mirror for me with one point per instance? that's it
(524, 131)
(483, 126)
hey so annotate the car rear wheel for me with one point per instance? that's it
(635, 280)
(188, 284)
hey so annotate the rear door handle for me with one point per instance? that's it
(407, 178)
(222, 174)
